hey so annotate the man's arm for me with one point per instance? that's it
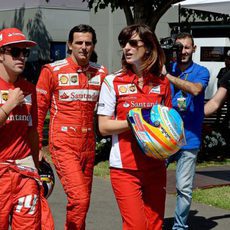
(109, 126)
(186, 86)
(44, 94)
(216, 101)
(15, 98)
(34, 144)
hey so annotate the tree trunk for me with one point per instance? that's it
(139, 11)
(128, 13)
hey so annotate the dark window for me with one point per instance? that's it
(213, 53)
(57, 50)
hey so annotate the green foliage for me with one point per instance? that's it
(45, 140)
(192, 16)
(102, 169)
(102, 4)
(148, 12)
(204, 164)
(103, 146)
(215, 143)
(217, 196)
(213, 163)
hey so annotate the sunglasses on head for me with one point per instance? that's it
(132, 42)
(16, 52)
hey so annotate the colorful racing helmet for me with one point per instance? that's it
(159, 130)
(47, 177)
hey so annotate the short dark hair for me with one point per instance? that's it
(183, 35)
(82, 29)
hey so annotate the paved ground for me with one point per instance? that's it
(205, 177)
(104, 214)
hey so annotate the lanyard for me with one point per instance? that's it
(186, 76)
(182, 93)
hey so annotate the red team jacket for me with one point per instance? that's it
(13, 144)
(73, 93)
(119, 94)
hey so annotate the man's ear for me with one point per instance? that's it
(194, 49)
(69, 45)
(1, 56)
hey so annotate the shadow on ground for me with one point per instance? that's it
(223, 175)
(197, 222)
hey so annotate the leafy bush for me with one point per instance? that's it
(215, 143)
(215, 139)
(103, 146)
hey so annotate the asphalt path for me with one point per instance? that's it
(104, 214)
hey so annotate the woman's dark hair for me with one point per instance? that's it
(82, 29)
(154, 57)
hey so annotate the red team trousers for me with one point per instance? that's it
(141, 209)
(19, 198)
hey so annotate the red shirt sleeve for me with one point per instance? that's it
(44, 90)
(34, 112)
(168, 95)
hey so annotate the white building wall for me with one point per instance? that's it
(58, 22)
(212, 66)
(163, 29)
(107, 26)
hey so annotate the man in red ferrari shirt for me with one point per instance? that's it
(19, 180)
(69, 88)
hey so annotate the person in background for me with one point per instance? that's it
(225, 69)
(220, 96)
(20, 195)
(69, 88)
(138, 181)
(188, 83)
(219, 77)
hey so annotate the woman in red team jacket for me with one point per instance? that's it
(138, 181)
